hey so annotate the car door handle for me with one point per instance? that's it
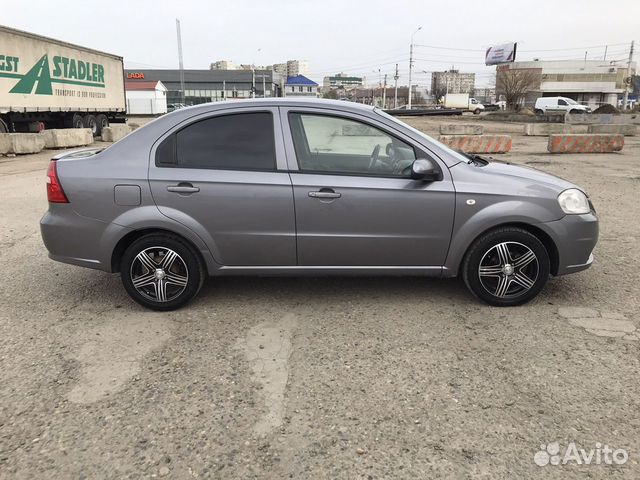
(183, 188)
(325, 194)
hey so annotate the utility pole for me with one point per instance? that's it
(384, 93)
(264, 86)
(395, 95)
(180, 62)
(625, 102)
(411, 65)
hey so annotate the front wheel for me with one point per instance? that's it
(477, 111)
(506, 267)
(161, 272)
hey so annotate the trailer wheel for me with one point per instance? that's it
(76, 121)
(102, 122)
(91, 122)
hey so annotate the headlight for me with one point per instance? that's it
(574, 202)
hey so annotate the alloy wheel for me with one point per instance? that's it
(159, 274)
(508, 270)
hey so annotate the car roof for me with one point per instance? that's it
(282, 102)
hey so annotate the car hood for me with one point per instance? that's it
(507, 179)
(528, 173)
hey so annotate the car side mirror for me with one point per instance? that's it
(426, 170)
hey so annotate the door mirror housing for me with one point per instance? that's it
(426, 170)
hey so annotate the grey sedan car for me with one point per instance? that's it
(308, 187)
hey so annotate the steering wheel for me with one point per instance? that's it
(374, 158)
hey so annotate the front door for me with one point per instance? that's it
(355, 202)
(218, 175)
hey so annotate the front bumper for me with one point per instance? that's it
(575, 237)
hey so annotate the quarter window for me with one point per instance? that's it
(238, 142)
(341, 145)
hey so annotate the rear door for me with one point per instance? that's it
(218, 175)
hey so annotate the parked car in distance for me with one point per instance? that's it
(559, 105)
(308, 187)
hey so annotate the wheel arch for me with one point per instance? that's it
(129, 238)
(539, 233)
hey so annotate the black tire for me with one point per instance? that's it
(574, 111)
(477, 111)
(101, 121)
(537, 111)
(77, 121)
(187, 267)
(91, 122)
(499, 276)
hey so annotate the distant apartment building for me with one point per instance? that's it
(223, 65)
(452, 81)
(300, 86)
(341, 80)
(297, 67)
(590, 82)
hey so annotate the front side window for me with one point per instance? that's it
(242, 141)
(341, 145)
(561, 102)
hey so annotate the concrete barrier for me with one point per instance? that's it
(585, 143)
(478, 143)
(21, 143)
(115, 132)
(625, 129)
(68, 137)
(460, 129)
(544, 129)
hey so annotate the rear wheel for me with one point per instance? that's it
(161, 272)
(91, 122)
(102, 121)
(506, 267)
(77, 121)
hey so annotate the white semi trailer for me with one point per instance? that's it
(46, 83)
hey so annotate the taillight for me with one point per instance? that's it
(55, 194)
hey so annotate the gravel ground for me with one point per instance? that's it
(348, 378)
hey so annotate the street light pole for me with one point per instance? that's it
(625, 101)
(411, 64)
(384, 93)
(395, 95)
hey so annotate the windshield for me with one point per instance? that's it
(453, 153)
(571, 102)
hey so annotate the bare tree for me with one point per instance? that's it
(514, 83)
(438, 91)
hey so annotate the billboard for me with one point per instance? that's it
(503, 53)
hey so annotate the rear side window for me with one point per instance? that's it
(243, 141)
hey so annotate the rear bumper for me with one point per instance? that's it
(575, 237)
(72, 238)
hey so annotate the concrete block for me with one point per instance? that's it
(6, 145)
(625, 129)
(68, 137)
(115, 132)
(460, 129)
(544, 129)
(585, 143)
(478, 143)
(21, 143)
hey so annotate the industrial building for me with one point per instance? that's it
(201, 86)
(589, 82)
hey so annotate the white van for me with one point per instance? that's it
(559, 105)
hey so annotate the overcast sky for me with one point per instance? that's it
(354, 36)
